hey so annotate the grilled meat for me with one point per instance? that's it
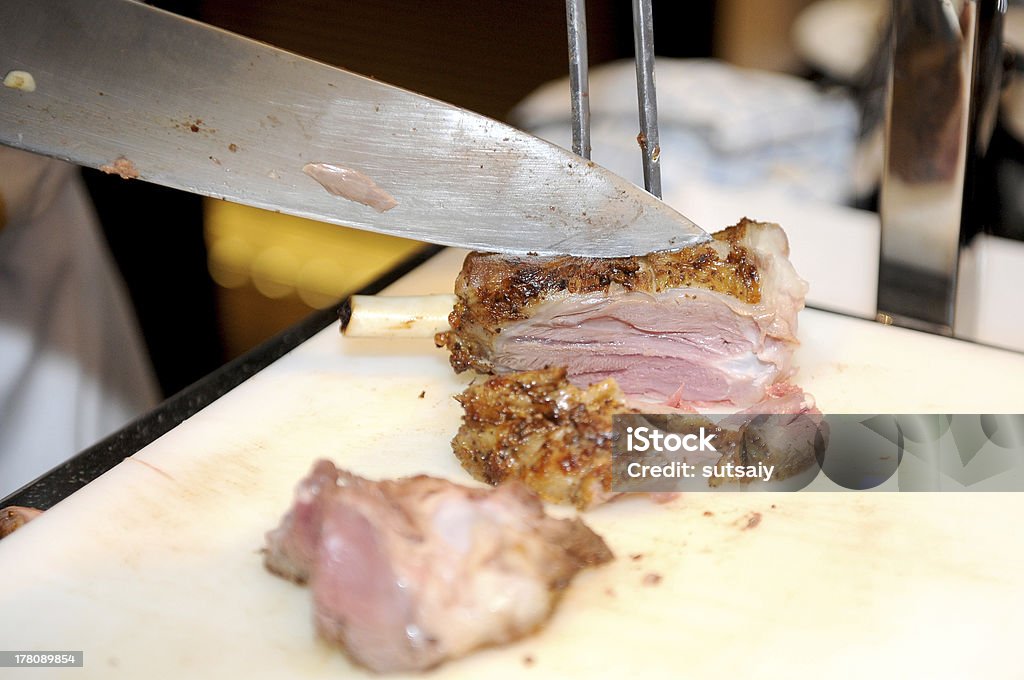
(712, 323)
(536, 427)
(558, 439)
(406, 574)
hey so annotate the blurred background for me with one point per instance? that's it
(209, 280)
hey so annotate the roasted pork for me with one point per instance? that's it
(710, 324)
(559, 439)
(538, 428)
(408, 573)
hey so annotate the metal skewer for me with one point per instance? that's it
(579, 81)
(643, 38)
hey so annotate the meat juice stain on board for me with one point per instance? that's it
(652, 578)
(750, 521)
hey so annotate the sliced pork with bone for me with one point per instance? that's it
(709, 324)
(408, 573)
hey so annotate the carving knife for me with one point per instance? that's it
(130, 89)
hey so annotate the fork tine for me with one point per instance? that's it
(643, 38)
(579, 84)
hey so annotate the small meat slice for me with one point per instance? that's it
(712, 323)
(13, 517)
(411, 572)
(558, 439)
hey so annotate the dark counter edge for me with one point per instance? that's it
(72, 475)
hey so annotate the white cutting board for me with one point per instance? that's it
(153, 569)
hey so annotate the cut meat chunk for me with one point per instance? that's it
(538, 428)
(408, 573)
(713, 323)
(559, 439)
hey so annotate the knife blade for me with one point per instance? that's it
(130, 89)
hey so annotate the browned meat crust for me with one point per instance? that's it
(558, 439)
(494, 290)
(538, 428)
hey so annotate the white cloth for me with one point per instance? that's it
(72, 364)
(719, 125)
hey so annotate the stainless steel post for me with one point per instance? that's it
(941, 97)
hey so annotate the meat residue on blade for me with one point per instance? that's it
(123, 167)
(350, 184)
(20, 80)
